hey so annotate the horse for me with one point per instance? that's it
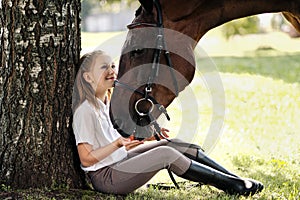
(151, 76)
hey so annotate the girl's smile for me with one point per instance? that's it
(111, 78)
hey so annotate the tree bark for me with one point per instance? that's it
(39, 47)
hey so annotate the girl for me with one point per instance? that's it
(119, 165)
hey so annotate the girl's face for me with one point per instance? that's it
(102, 74)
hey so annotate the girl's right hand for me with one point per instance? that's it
(128, 143)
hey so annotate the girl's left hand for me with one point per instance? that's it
(164, 131)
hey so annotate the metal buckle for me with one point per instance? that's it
(141, 113)
(148, 90)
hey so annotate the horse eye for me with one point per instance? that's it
(136, 52)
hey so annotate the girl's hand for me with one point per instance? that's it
(133, 143)
(128, 143)
(164, 132)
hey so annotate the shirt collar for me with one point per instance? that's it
(103, 106)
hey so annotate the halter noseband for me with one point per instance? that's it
(160, 45)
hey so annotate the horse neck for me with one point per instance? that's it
(208, 14)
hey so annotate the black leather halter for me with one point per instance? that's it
(146, 94)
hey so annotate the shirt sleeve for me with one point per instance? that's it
(84, 125)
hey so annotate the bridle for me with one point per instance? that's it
(146, 94)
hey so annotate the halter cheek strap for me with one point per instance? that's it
(160, 45)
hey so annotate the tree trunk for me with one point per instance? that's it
(39, 47)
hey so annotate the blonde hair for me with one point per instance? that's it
(82, 89)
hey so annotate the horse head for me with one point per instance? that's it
(153, 69)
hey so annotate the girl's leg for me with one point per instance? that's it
(230, 184)
(111, 181)
(197, 154)
(192, 151)
(146, 147)
(130, 174)
(207, 171)
(150, 145)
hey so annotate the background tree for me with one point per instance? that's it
(243, 26)
(39, 47)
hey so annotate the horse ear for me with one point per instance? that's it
(147, 5)
(178, 9)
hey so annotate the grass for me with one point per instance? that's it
(261, 130)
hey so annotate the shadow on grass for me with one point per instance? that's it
(74, 194)
(58, 194)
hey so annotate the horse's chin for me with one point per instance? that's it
(123, 128)
(143, 132)
(123, 133)
(129, 123)
(140, 130)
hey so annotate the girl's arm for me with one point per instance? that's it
(89, 157)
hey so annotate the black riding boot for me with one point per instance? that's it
(230, 184)
(203, 159)
(200, 156)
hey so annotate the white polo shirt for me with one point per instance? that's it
(95, 128)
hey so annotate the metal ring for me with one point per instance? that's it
(141, 113)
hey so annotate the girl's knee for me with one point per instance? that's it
(167, 153)
(164, 149)
(176, 140)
